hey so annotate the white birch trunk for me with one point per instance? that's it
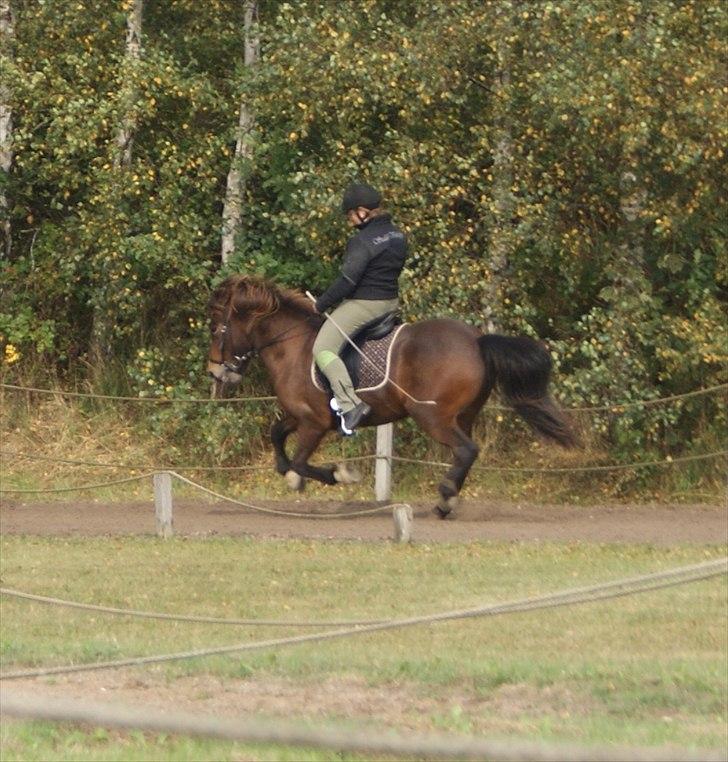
(125, 135)
(102, 322)
(7, 40)
(232, 212)
(501, 236)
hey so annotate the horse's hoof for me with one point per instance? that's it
(294, 481)
(345, 475)
(441, 513)
(446, 505)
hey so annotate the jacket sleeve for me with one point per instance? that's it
(355, 263)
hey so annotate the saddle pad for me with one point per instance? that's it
(366, 376)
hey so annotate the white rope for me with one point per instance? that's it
(614, 407)
(616, 589)
(158, 400)
(572, 469)
(80, 488)
(182, 617)
(365, 742)
(124, 466)
(273, 511)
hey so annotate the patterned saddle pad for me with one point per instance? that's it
(366, 376)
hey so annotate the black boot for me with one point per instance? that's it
(352, 418)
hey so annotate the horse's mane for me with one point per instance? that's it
(260, 298)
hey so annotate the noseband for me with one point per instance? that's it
(240, 360)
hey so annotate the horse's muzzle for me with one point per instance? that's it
(224, 375)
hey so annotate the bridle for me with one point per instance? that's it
(240, 360)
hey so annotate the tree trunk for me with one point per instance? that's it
(501, 236)
(101, 329)
(7, 40)
(125, 135)
(232, 212)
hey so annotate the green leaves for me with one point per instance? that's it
(487, 125)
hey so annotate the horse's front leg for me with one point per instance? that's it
(309, 438)
(279, 432)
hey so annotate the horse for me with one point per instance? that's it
(444, 361)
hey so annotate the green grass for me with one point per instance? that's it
(645, 670)
(41, 741)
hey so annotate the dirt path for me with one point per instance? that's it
(612, 523)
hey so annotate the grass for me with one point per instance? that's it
(643, 670)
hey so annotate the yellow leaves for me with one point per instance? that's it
(11, 354)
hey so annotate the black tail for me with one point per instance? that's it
(521, 368)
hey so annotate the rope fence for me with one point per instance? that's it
(258, 730)
(155, 400)
(124, 466)
(604, 591)
(614, 407)
(295, 514)
(79, 488)
(669, 461)
(573, 469)
(192, 618)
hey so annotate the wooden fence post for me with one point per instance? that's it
(402, 515)
(163, 503)
(383, 467)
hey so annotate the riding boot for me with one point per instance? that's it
(352, 418)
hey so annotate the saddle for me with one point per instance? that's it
(375, 339)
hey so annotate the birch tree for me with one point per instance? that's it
(235, 189)
(103, 310)
(7, 38)
(501, 237)
(125, 134)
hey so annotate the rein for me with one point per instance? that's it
(240, 360)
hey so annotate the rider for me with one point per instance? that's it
(366, 289)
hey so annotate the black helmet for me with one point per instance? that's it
(360, 194)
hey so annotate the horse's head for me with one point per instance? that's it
(235, 309)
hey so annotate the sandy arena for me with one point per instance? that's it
(658, 524)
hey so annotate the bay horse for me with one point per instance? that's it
(444, 360)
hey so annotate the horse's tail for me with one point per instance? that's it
(521, 368)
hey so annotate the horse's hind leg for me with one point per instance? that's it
(464, 455)
(464, 450)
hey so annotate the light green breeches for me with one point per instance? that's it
(350, 315)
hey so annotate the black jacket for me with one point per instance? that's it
(373, 261)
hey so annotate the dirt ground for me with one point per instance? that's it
(658, 524)
(401, 706)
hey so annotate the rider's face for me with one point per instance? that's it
(356, 216)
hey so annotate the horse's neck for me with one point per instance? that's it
(284, 333)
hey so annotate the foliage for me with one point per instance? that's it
(607, 202)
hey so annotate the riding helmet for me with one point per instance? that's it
(360, 194)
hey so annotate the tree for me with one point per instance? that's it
(239, 167)
(125, 135)
(7, 39)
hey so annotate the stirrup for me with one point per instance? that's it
(334, 405)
